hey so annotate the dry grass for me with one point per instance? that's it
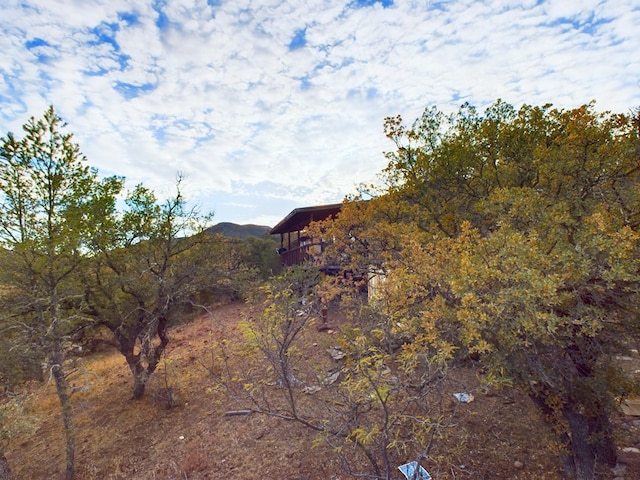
(119, 439)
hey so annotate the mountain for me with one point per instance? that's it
(233, 230)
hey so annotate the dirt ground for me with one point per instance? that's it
(118, 438)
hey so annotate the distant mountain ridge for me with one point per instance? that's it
(233, 230)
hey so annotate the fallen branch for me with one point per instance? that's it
(234, 413)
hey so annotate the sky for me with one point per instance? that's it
(269, 105)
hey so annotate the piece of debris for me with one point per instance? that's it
(235, 413)
(518, 464)
(311, 389)
(463, 397)
(631, 406)
(331, 377)
(414, 471)
(336, 353)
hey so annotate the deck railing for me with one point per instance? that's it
(301, 255)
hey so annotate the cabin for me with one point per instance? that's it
(296, 246)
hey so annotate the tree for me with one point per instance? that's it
(519, 245)
(262, 255)
(149, 263)
(50, 203)
(372, 404)
(239, 266)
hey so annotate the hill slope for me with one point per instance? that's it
(497, 436)
(233, 230)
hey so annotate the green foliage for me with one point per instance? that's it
(148, 265)
(51, 203)
(20, 361)
(15, 421)
(394, 405)
(262, 255)
(238, 267)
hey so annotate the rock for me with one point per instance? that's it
(311, 389)
(336, 353)
(619, 470)
(331, 377)
(518, 464)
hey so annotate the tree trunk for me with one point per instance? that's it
(148, 354)
(127, 345)
(590, 439)
(580, 462)
(5, 471)
(67, 415)
(138, 371)
(606, 449)
(139, 383)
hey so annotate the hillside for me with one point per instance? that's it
(497, 436)
(233, 230)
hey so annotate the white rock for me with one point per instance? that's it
(631, 450)
(336, 353)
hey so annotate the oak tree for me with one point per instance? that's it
(518, 245)
(150, 263)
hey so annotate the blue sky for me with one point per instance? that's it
(269, 105)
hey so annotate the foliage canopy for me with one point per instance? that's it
(512, 237)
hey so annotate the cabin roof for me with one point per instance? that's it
(299, 218)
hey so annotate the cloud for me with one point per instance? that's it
(280, 104)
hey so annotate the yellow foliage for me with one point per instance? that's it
(513, 237)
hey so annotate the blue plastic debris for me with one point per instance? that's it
(463, 397)
(414, 471)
